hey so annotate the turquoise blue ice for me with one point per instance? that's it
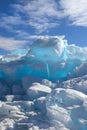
(49, 57)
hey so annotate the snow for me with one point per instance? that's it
(37, 90)
(79, 84)
(6, 124)
(67, 107)
(40, 104)
(81, 70)
(28, 80)
(44, 87)
(47, 83)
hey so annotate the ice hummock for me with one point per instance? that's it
(48, 57)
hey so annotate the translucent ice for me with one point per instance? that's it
(48, 57)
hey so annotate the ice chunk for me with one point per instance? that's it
(37, 90)
(46, 82)
(48, 57)
(40, 104)
(81, 70)
(7, 123)
(48, 49)
(68, 107)
(7, 110)
(10, 58)
(28, 80)
(79, 84)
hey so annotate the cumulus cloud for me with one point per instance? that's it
(11, 43)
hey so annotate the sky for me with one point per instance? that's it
(21, 21)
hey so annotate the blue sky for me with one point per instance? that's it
(21, 21)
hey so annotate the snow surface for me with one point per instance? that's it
(44, 87)
(68, 107)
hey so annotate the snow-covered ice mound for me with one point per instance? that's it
(67, 108)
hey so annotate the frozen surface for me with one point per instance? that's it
(44, 87)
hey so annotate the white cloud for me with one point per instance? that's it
(76, 11)
(45, 36)
(14, 20)
(9, 22)
(45, 14)
(41, 14)
(11, 43)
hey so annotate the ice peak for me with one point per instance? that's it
(45, 41)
